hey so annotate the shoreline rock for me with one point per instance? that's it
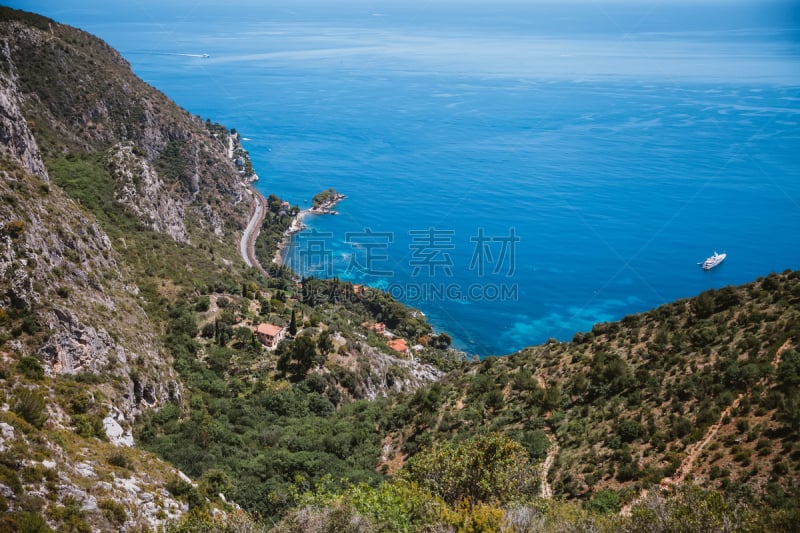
(325, 208)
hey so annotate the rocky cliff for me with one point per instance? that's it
(114, 203)
(16, 139)
(169, 170)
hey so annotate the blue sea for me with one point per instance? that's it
(516, 170)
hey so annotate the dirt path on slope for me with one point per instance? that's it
(546, 491)
(696, 449)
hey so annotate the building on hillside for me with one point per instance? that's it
(399, 345)
(270, 335)
(379, 328)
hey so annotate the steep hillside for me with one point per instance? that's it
(702, 390)
(79, 265)
(122, 292)
(684, 418)
(81, 351)
(81, 101)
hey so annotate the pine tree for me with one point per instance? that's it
(293, 324)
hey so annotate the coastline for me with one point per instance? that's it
(325, 208)
(296, 227)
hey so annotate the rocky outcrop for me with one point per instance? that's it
(141, 190)
(16, 139)
(59, 267)
(171, 172)
(120, 153)
(73, 346)
(381, 374)
(90, 484)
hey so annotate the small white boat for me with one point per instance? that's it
(713, 261)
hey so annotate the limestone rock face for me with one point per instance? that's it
(74, 346)
(116, 434)
(16, 139)
(78, 96)
(143, 192)
(122, 161)
(59, 265)
(384, 374)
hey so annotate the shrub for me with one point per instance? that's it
(30, 405)
(208, 331)
(604, 502)
(202, 305)
(487, 468)
(113, 511)
(628, 472)
(30, 522)
(185, 491)
(80, 403)
(30, 367)
(629, 430)
(9, 478)
(71, 516)
(88, 426)
(215, 482)
(121, 460)
(14, 228)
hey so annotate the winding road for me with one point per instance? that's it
(247, 246)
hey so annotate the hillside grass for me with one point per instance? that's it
(630, 400)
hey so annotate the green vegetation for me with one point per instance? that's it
(489, 468)
(277, 220)
(30, 19)
(324, 197)
(701, 395)
(29, 404)
(263, 421)
(629, 401)
(567, 388)
(404, 505)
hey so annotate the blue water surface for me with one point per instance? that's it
(526, 170)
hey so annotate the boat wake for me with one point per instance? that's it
(202, 56)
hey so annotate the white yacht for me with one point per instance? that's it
(713, 261)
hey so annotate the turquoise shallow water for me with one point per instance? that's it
(616, 159)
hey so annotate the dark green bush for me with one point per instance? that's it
(113, 511)
(30, 367)
(30, 405)
(121, 460)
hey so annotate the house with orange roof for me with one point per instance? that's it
(398, 345)
(269, 334)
